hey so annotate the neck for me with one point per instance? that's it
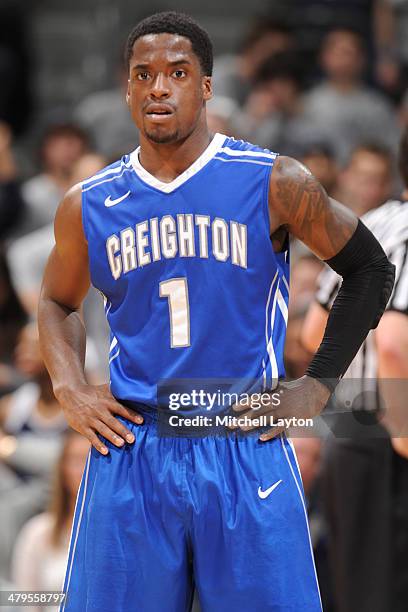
(60, 178)
(405, 195)
(344, 85)
(167, 161)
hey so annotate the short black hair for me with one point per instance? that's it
(403, 157)
(261, 26)
(374, 148)
(170, 22)
(283, 65)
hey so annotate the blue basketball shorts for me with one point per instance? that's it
(160, 517)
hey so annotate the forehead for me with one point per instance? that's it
(162, 48)
(367, 160)
(343, 38)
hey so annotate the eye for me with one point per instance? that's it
(179, 74)
(142, 76)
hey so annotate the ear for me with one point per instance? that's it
(128, 93)
(207, 88)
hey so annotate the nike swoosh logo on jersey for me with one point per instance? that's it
(267, 492)
(109, 202)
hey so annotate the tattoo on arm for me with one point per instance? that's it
(299, 202)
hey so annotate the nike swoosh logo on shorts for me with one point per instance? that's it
(267, 492)
(109, 202)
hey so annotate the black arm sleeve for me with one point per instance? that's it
(368, 280)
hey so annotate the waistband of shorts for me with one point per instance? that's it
(149, 414)
(158, 418)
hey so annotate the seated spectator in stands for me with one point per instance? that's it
(367, 180)
(346, 110)
(32, 408)
(11, 201)
(12, 318)
(273, 114)
(28, 254)
(27, 257)
(320, 160)
(105, 116)
(233, 73)
(61, 147)
(40, 554)
(31, 431)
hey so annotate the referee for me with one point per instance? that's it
(366, 462)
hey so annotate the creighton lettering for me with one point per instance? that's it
(185, 235)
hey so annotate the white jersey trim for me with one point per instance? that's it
(195, 167)
(245, 161)
(248, 153)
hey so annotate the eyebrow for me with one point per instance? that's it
(174, 63)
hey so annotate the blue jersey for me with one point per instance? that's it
(192, 286)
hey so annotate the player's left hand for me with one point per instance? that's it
(303, 398)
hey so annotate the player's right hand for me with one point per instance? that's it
(90, 410)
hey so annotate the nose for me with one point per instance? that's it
(160, 87)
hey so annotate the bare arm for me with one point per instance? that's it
(88, 409)
(392, 349)
(313, 327)
(65, 285)
(298, 204)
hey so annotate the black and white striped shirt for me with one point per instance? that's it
(389, 223)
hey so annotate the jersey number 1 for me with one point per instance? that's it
(176, 292)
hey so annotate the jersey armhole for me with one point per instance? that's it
(84, 214)
(265, 197)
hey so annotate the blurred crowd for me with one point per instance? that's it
(338, 103)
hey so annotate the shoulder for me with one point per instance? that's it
(289, 171)
(110, 173)
(376, 100)
(240, 150)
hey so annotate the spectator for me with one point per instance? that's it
(28, 254)
(27, 257)
(12, 319)
(367, 180)
(348, 112)
(31, 428)
(32, 407)
(105, 116)
(322, 164)
(61, 147)
(233, 74)
(40, 554)
(11, 202)
(273, 113)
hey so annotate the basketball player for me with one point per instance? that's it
(187, 239)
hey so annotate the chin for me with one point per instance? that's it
(162, 137)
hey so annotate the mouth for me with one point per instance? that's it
(158, 112)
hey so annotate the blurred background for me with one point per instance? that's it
(325, 81)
